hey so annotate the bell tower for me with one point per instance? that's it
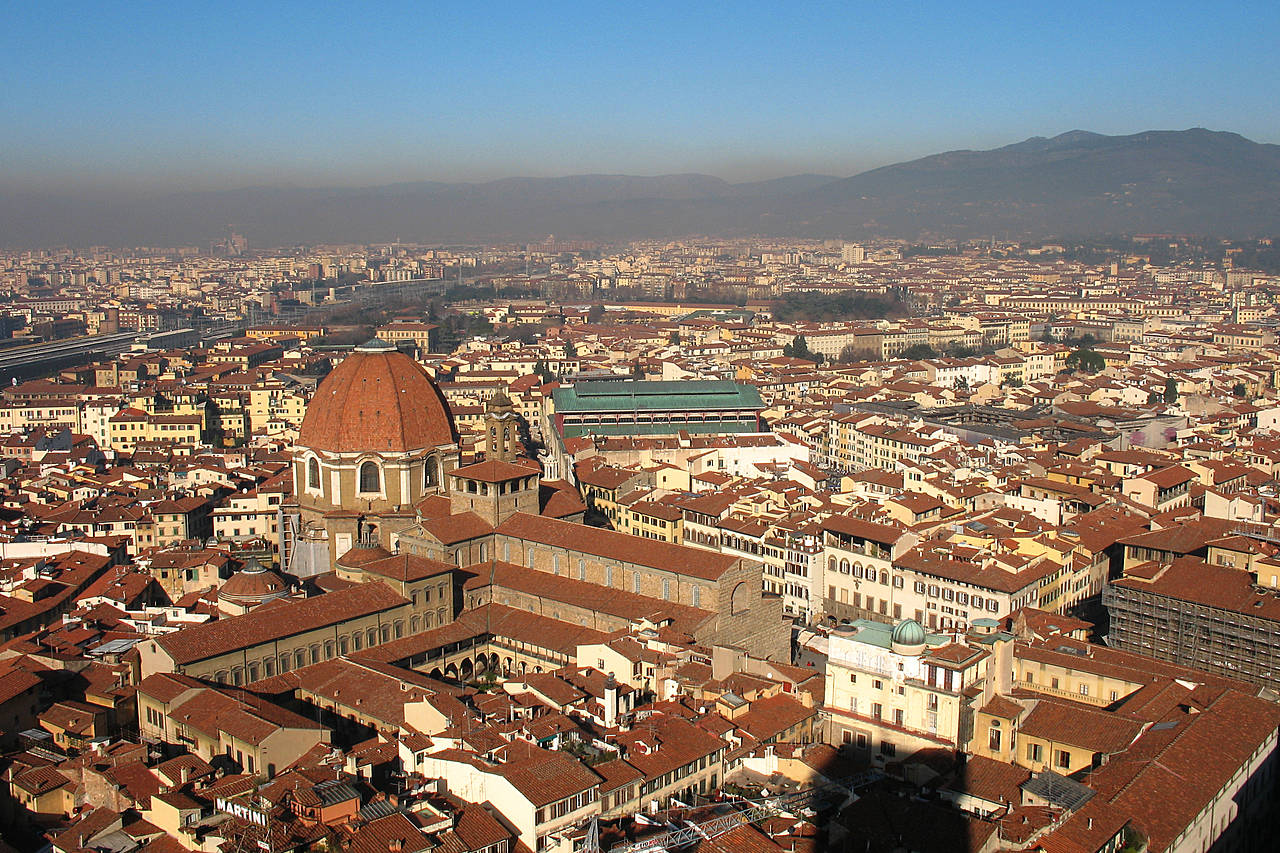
(502, 428)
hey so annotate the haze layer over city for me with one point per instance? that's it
(578, 428)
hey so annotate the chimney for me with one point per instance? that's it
(610, 702)
(395, 845)
(185, 774)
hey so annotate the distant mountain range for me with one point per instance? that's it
(1073, 185)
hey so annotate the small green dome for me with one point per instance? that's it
(908, 632)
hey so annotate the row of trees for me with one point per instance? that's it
(827, 307)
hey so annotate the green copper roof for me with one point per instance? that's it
(908, 632)
(631, 396)
(664, 428)
(880, 634)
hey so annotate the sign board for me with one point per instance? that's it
(240, 810)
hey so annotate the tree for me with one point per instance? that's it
(799, 349)
(595, 313)
(1171, 390)
(1086, 360)
(1153, 398)
(1239, 389)
(674, 338)
(570, 351)
(918, 351)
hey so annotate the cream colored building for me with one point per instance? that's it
(893, 690)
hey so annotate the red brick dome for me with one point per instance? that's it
(377, 400)
(253, 585)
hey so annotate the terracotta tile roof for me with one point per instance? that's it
(1193, 580)
(496, 471)
(393, 832)
(768, 718)
(1080, 725)
(545, 776)
(1005, 709)
(853, 526)
(407, 567)
(584, 594)
(380, 401)
(491, 619)
(225, 635)
(451, 529)
(990, 780)
(679, 559)
(1179, 765)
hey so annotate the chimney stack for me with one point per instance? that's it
(610, 702)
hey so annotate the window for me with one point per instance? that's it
(608, 575)
(635, 581)
(1084, 690)
(993, 740)
(887, 749)
(431, 474)
(877, 684)
(697, 596)
(1064, 759)
(898, 716)
(1034, 752)
(370, 477)
(666, 589)
(877, 710)
(313, 474)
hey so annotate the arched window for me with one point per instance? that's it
(739, 599)
(313, 474)
(431, 474)
(370, 481)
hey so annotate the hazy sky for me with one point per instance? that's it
(181, 94)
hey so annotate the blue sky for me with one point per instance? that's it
(213, 95)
